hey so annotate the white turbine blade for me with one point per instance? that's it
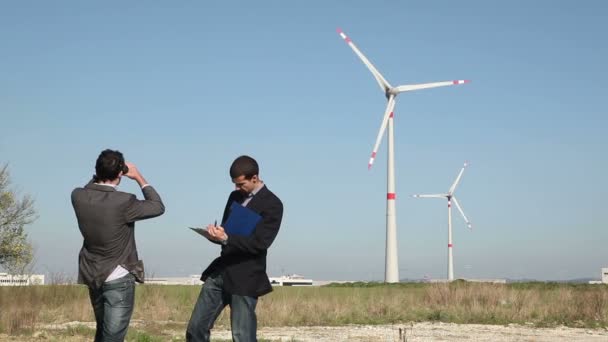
(411, 87)
(387, 114)
(453, 187)
(462, 213)
(382, 82)
(431, 196)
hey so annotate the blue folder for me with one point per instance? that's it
(241, 220)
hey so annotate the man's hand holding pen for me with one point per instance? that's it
(217, 233)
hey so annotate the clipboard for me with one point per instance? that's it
(241, 220)
(202, 231)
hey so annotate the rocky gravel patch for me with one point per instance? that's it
(416, 332)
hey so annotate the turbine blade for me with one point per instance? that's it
(387, 114)
(411, 87)
(382, 82)
(431, 196)
(453, 187)
(462, 213)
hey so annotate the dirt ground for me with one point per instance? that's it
(417, 332)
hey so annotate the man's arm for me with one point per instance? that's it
(151, 206)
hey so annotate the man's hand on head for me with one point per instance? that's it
(133, 171)
(135, 174)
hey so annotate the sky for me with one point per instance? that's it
(183, 88)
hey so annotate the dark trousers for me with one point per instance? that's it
(211, 302)
(113, 307)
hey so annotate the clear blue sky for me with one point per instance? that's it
(182, 88)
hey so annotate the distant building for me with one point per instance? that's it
(290, 280)
(194, 279)
(493, 281)
(327, 282)
(603, 280)
(21, 279)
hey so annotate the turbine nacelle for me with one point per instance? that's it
(390, 92)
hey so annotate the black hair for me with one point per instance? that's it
(244, 166)
(109, 165)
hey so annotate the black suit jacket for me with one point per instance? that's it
(242, 262)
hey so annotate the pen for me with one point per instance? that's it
(215, 223)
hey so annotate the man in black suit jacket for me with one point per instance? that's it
(108, 263)
(238, 277)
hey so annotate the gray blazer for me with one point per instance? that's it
(106, 218)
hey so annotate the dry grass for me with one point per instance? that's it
(23, 309)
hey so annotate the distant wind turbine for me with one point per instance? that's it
(391, 273)
(450, 196)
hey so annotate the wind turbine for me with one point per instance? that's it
(450, 196)
(391, 271)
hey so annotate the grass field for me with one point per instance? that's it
(26, 310)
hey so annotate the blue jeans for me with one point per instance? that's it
(113, 307)
(211, 302)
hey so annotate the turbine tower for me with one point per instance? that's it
(450, 196)
(391, 272)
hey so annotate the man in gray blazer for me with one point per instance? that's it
(108, 263)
